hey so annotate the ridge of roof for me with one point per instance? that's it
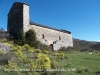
(41, 25)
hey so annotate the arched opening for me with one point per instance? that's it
(51, 47)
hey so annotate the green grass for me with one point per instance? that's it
(81, 61)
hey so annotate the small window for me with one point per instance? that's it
(54, 42)
(59, 38)
(42, 36)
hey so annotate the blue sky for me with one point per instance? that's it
(81, 17)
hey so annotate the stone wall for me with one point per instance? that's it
(25, 17)
(49, 36)
(18, 18)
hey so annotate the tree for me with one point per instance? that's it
(27, 38)
(31, 39)
(20, 40)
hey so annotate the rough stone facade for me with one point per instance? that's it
(18, 18)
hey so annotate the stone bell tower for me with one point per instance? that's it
(18, 18)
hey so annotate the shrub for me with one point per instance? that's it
(63, 49)
(30, 51)
(3, 40)
(42, 62)
(56, 54)
(26, 46)
(14, 48)
(17, 48)
(8, 44)
(45, 51)
(80, 69)
(11, 66)
(28, 38)
(60, 55)
(27, 60)
(37, 50)
(20, 55)
(54, 64)
(31, 39)
(1, 52)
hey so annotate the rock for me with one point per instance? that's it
(5, 48)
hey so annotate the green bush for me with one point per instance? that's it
(31, 39)
(28, 38)
(20, 39)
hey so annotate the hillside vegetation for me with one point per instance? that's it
(25, 59)
(83, 45)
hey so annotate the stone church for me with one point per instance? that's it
(18, 19)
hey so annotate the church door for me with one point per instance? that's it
(51, 47)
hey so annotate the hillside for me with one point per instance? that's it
(86, 45)
(26, 60)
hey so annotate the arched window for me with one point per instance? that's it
(59, 38)
(42, 36)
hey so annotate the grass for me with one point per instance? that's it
(82, 61)
(74, 63)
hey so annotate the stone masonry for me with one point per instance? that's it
(18, 19)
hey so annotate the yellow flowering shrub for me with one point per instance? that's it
(42, 62)
(14, 48)
(60, 55)
(11, 65)
(30, 51)
(7, 44)
(56, 54)
(3, 40)
(26, 46)
(20, 55)
(54, 64)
